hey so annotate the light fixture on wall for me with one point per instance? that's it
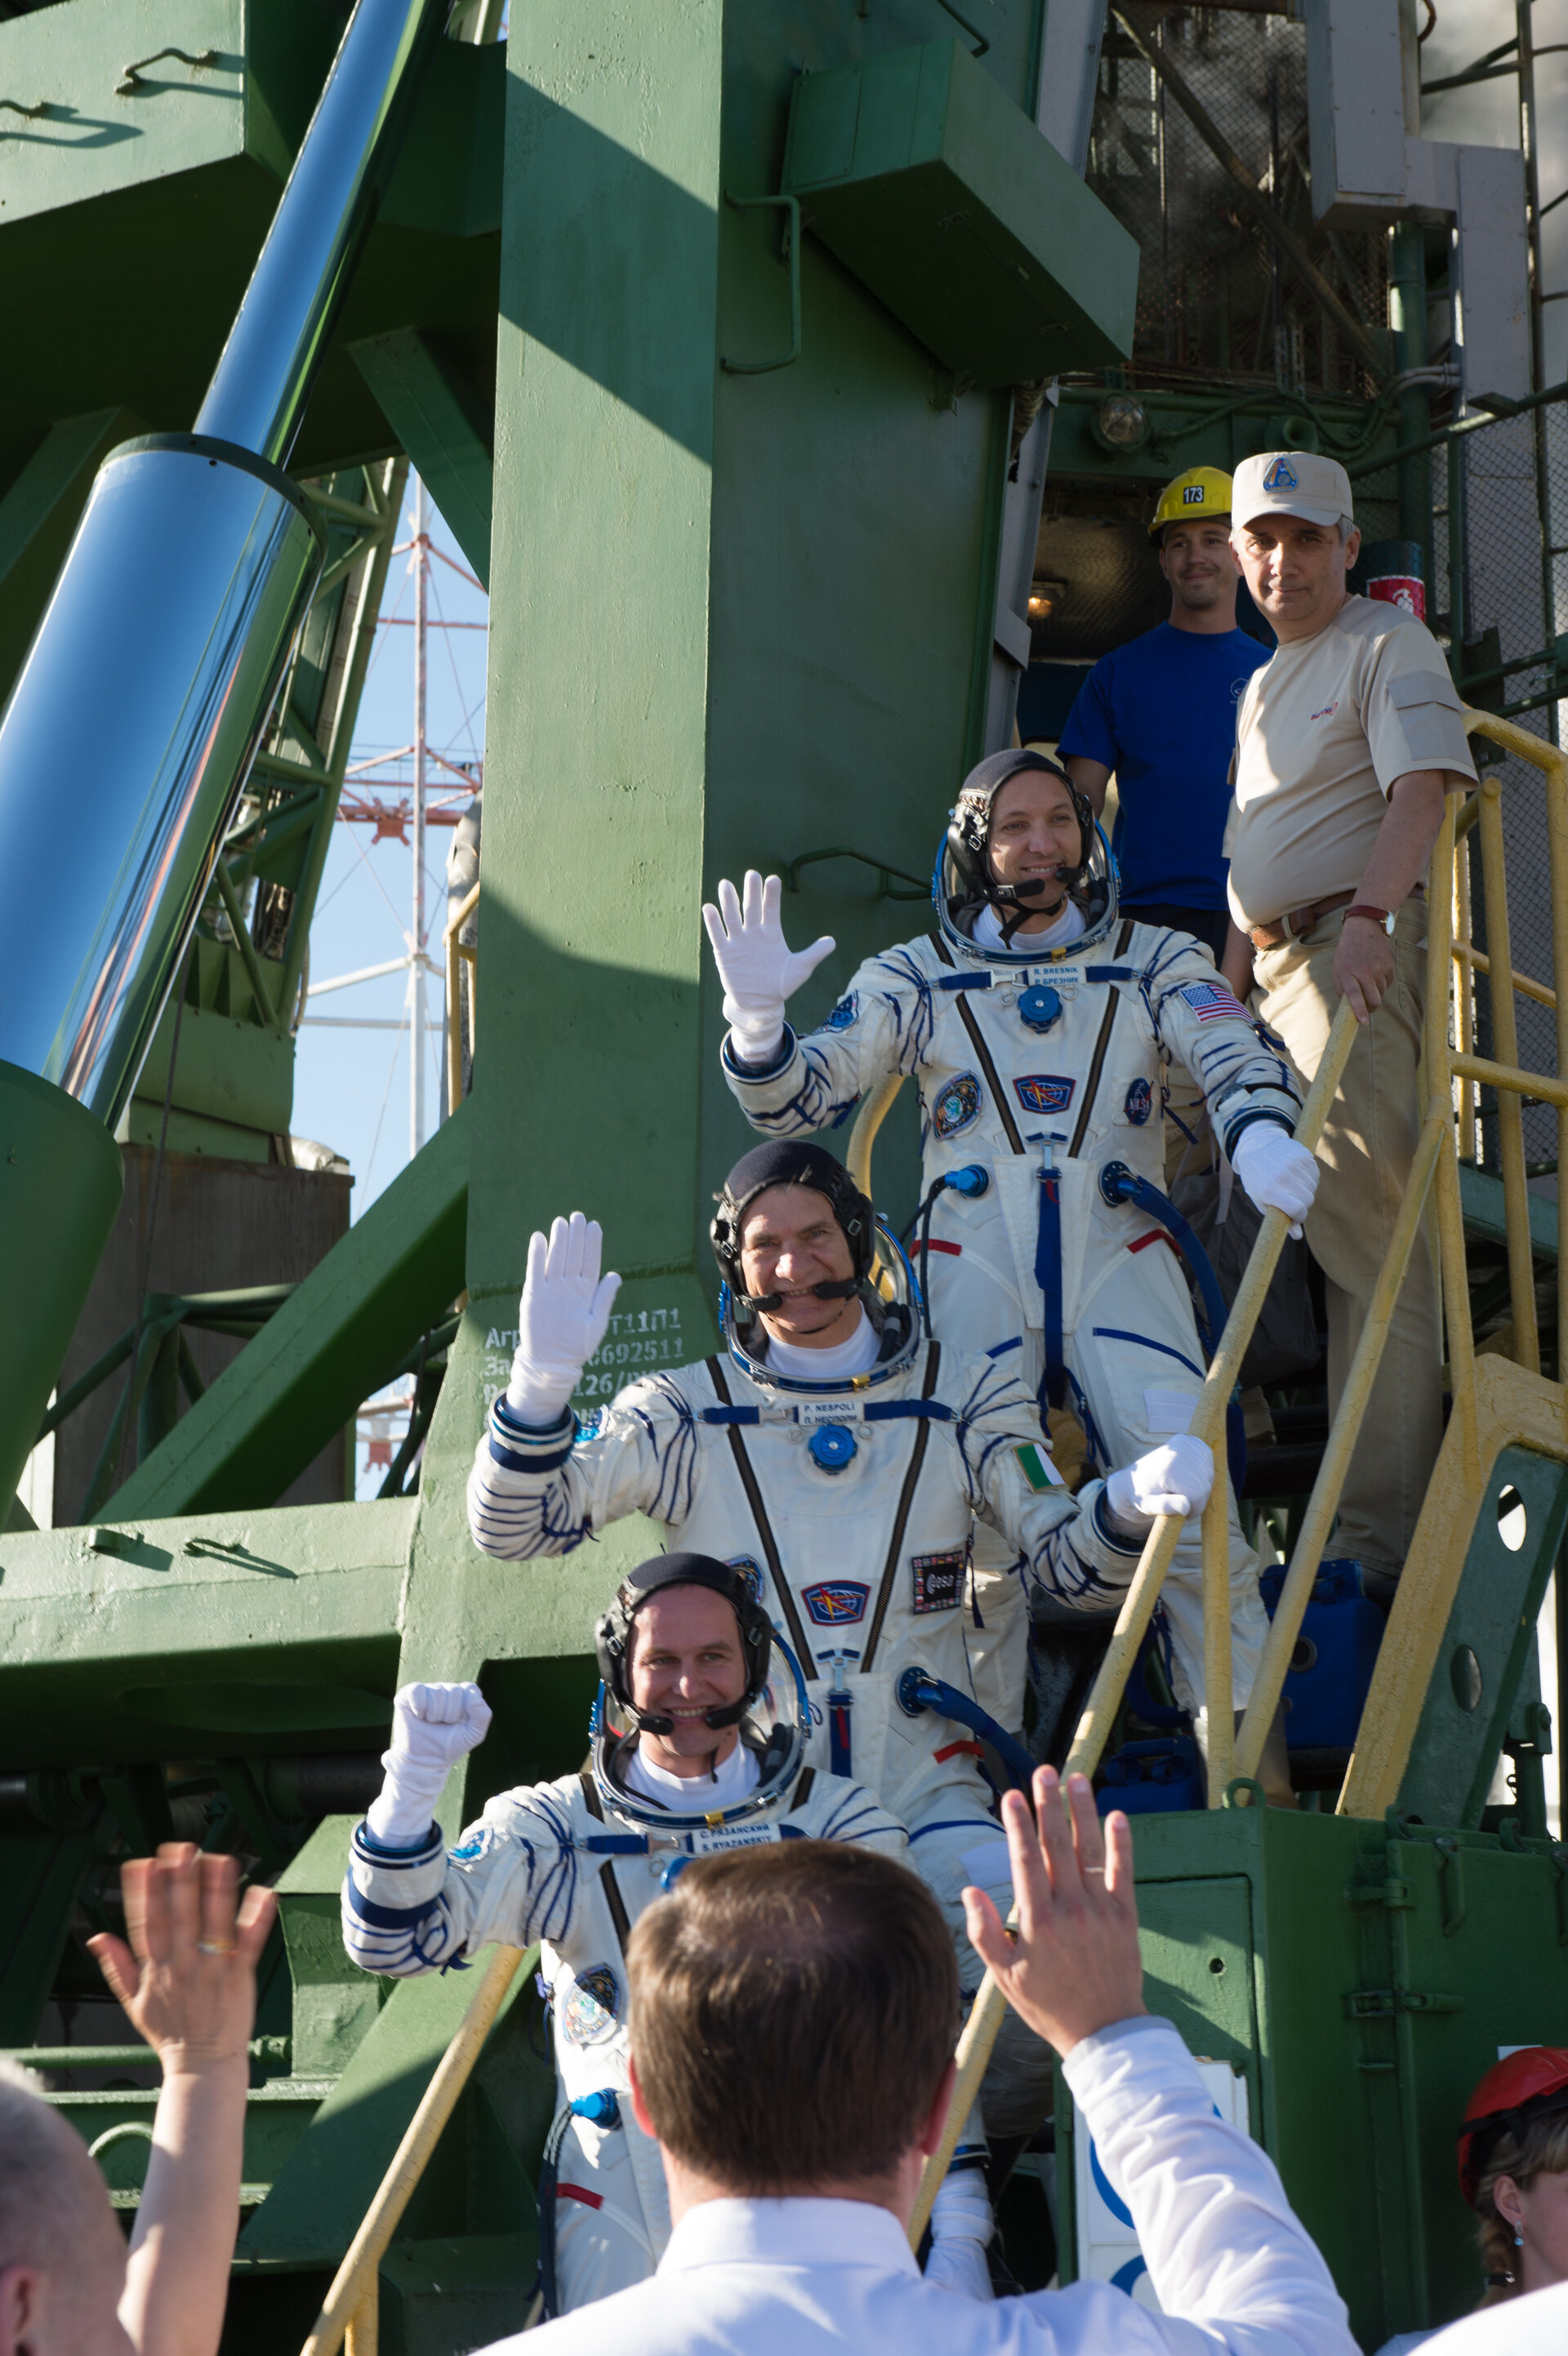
(1121, 424)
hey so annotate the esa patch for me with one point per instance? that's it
(938, 1580)
(956, 1104)
(1140, 1103)
(844, 1013)
(590, 2012)
(836, 1602)
(1045, 1092)
(1211, 1001)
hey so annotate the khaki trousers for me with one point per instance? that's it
(1366, 1153)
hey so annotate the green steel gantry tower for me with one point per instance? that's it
(725, 332)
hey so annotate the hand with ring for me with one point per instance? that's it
(188, 1978)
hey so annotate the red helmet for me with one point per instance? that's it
(1530, 2084)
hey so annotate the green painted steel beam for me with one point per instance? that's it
(345, 1329)
(60, 1182)
(929, 182)
(150, 206)
(447, 428)
(39, 513)
(263, 1633)
(1487, 1653)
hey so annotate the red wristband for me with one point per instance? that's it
(1383, 917)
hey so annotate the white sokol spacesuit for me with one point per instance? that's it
(1039, 1063)
(573, 1864)
(850, 1502)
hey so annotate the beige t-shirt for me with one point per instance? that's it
(1322, 731)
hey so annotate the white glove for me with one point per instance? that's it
(757, 965)
(1278, 1173)
(561, 1318)
(962, 2225)
(433, 1727)
(1175, 1479)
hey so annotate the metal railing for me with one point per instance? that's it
(459, 953)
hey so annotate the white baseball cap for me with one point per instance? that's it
(1290, 482)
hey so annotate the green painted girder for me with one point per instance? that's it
(447, 426)
(151, 207)
(1481, 1200)
(1486, 1664)
(343, 1332)
(929, 181)
(253, 1634)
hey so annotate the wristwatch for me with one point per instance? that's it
(1384, 916)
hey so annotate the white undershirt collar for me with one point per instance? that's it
(686, 1796)
(836, 1365)
(986, 932)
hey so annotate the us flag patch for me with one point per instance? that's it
(1210, 999)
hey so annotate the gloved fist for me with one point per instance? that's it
(1278, 1173)
(1174, 1479)
(757, 965)
(561, 1320)
(435, 1726)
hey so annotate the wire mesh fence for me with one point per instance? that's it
(1215, 299)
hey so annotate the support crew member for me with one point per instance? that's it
(697, 1743)
(1039, 1024)
(1346, 745)
(840, 1458)
(1161, 713)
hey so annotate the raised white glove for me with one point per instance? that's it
(757, 965)
(561, 1318)
(962, 2225)
(433, 1727)
(1174, 1479)
(1278, 1173)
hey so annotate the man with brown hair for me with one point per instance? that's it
(792, 2020)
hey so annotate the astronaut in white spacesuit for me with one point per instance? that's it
(840, 1458)
(698, 1743)
(1038, 1026)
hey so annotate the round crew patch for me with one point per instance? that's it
(590, 2011)
(956, 1104)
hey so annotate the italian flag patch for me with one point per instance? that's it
(1036, 1466)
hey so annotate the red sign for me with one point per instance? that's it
(1400, 589)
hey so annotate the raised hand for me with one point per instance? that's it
(187, 1978)
(757, 965)
(434, 1725)
(1074, 1964)
(1174, 1478)
(561, 1317)
(1278, 1173)
(437, 1725)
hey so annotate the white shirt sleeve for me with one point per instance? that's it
(1223, 2247)
(1535, 2325)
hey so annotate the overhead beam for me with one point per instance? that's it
(444, 421)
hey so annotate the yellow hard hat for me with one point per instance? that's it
(1203, 492)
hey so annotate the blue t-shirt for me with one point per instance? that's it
(1161, 711)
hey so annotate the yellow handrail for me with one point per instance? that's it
(464, 950)
(350, 2304)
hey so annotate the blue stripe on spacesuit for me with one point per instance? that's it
(1114, 1333)
(1048, 1277)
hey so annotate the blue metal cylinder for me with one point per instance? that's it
(126, 741)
